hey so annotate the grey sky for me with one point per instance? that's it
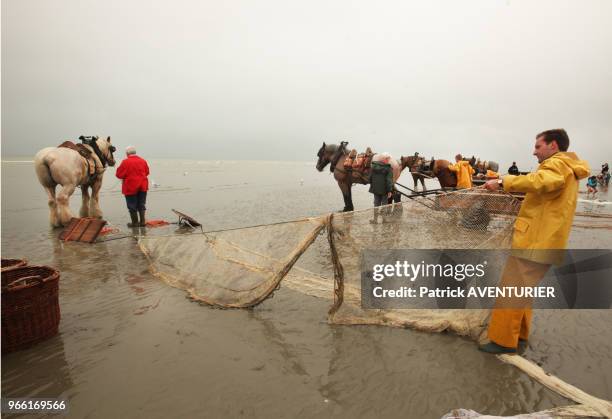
(272, 79)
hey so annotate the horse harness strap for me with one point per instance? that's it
(91, 142)
(362, 174)
(340, 151)
(98, 168)
(87, 152)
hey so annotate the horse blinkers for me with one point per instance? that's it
(320, 163)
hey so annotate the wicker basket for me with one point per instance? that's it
(30, 306)
(10, 264)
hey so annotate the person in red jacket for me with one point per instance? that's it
(134, 171)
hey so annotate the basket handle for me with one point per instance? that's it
(14, 284)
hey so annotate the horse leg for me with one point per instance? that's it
(422, 179)
(95, 210)
(52, 202)
(350, 198)
(415, 179)
(63, 201)
(346, 194)
(84, 212)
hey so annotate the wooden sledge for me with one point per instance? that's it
(185, 219)
(84, 230)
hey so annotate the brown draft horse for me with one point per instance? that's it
(422, 169)
(336, 154)
(414, 163)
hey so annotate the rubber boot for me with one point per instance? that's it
(134, 217)
(494, 348)
(143, 222)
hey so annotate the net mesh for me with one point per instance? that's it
(467, 219)
(231, 269)
(241, 268)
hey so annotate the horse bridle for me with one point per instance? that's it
(92, 142)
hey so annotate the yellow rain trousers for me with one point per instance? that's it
(507, 325)
(464, 174)
(543, 223)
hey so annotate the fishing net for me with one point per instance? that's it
(235, 268)
(467, 219)
(241, 268)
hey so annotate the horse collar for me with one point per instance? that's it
(94, 145)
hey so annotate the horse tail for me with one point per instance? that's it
(43, 171)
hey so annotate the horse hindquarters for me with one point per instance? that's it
(59, 166)
(43, 172)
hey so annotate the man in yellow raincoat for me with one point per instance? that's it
(464, 172)
(543, 223)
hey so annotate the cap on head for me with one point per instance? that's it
(130, 150)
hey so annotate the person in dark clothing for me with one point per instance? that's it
(381, 183)
(513, 170)
(134, 171)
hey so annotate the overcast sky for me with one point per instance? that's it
(272, 79)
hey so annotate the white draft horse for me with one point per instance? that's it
(68, 168)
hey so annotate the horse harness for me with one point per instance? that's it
(89, 147)
(354, 163)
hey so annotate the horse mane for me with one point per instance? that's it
(338, 151)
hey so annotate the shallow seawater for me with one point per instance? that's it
(131, 346)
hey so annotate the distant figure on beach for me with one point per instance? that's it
(381, 183)
(543, 223)
(513, 170)
(464, 172)
(605, 174)
(134, 170)
(592, 186)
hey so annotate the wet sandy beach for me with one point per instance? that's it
(131, 346)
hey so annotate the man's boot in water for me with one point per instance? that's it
(143, 222)
(134, 217)
(494, 348)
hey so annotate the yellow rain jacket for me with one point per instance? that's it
(544, 222)
(464, 174)
(546, 215)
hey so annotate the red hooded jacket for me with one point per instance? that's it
(134, 171)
